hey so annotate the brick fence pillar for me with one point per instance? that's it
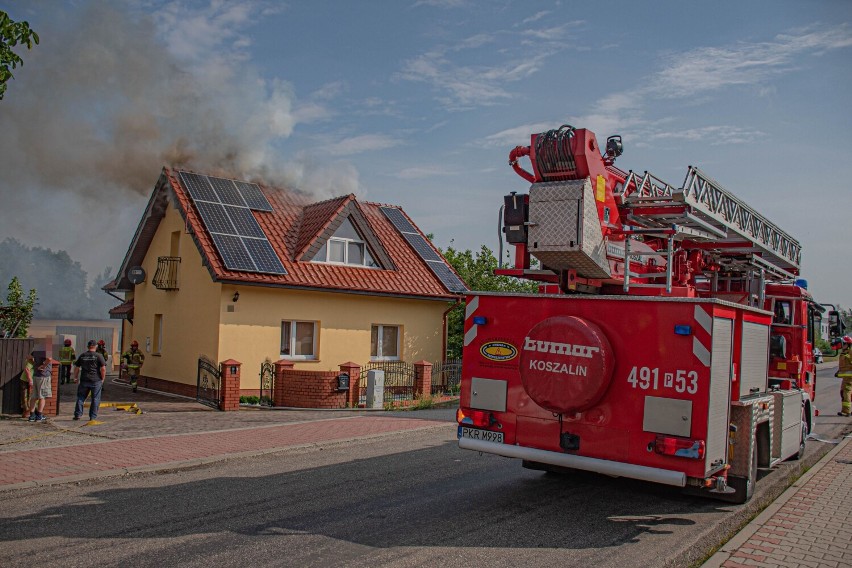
(229, 385)
(423, 378)
(354, 372)
(51, 405)
(278, 389)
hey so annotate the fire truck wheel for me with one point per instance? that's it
(802, 440)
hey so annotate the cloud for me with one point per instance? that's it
(552, 33)
(517, 136)
(360, 144)
(143, 90)
(419, 172)
(469, 86)
(710, 69)
(535, 17)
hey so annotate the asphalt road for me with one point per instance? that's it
(410, 500)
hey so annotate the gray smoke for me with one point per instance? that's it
(104, 102)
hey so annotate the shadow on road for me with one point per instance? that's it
(434, 497)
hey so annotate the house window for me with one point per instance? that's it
(346, 246)
(384, 343)
(158, 334)
(298, 339)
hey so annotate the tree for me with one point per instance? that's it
(12, 33)
(477, 270)
(17, 313)
(61, 282)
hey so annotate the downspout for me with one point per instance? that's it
(445, 322)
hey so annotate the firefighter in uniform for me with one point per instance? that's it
(66, 359)
(102, 350)
(844, 371)
(133, 361)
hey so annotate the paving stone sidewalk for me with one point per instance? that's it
(810, 525)
(173, 433)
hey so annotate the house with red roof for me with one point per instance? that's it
(233, 270)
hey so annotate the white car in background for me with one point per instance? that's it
(817, 355)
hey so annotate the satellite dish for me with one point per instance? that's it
(136, 275)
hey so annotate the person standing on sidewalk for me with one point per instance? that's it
(42, 368)
(844, 371)
(66, 358)
(94, 372)
(133, 361)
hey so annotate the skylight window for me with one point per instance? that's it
(346, 246)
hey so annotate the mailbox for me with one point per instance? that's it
(343, 382)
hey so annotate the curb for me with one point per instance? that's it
(731, 546)
(188, 464)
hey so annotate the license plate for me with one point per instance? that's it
(476, 434)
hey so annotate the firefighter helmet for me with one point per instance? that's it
(134, 343)
(101, 342)
(67, 343)
(840, 342)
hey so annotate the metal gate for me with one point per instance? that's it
(399, 380)
(446, 377)
(267, 382)
(208, 389)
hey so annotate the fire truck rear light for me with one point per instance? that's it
(683, 330)
(480, 320)
(477, 418)
(679, 447)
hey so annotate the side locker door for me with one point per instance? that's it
(719, 404)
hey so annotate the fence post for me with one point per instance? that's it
(229, 385)
(278, 390)
(354, 372)
(423, 378)
(51, 405)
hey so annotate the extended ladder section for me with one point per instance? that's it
(710, 218)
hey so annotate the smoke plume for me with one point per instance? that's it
(108, 98)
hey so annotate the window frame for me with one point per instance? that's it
(346, 241)
(314, 356)
(380, 340)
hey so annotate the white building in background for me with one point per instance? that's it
(79, 332)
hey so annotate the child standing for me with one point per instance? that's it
(41, 386)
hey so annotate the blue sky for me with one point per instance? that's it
(418, 103)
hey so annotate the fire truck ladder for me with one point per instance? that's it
(711, 218)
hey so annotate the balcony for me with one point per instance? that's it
(166, 277)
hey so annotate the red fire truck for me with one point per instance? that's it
(670, 340)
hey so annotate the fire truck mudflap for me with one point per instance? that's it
(620, 385)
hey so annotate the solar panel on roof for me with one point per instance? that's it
(244, 222)
(447, 276)
(227, 191)
(234, 253)
(264, 256)
(238, 237)
(419, 244)
(253, 196)
(215, 219)
(198, 187)
(398, 219)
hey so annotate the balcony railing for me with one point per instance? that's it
(166, 277)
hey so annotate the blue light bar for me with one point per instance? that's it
(479, 320)
(683, 330)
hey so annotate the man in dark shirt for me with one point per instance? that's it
(94, 372)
